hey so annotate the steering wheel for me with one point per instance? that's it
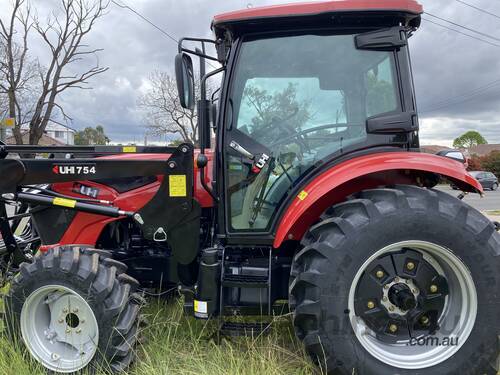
(303, 132)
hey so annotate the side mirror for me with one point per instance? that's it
(453, 154)
(184, 75)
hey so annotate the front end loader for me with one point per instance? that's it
(312, 198)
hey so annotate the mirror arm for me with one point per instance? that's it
(212, 98)
(199, 54)
(208, 75)
(202, 107)
(191, 39)
(197, 51)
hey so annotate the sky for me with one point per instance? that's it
(457, 78)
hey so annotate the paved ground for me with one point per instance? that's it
(490, 202)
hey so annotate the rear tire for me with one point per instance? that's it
(348, 235)
(75, 309)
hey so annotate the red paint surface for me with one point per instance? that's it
(86, 228)
(311, 8)
(362, 173)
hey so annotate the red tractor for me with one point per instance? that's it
(314, 197)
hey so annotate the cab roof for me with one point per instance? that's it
(245, 20)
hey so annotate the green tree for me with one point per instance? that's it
(91, 136)
(469, 139)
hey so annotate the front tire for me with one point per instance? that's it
(356, 256)
(494, 187)
(75, 309)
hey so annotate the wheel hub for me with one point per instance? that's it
(401, 296)
(397, 294)
(69, 321)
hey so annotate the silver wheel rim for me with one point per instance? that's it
(458, 317)
(59, 328)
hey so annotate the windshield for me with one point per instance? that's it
(299, 99)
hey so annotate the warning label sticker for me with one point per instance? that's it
(200, 307)
(302, 195)
(129, 149)
(177, 185)
(63, 202)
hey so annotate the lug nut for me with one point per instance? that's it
(415, 291)
(393, 328)
(78, 330)
(410, 266)
(68, 330)
(54, 356)
(386, 286)
(384, 298)
(424, 320)
(370, 304)
(380, 274)
(61, 321)
(433, 288)
(396, 279)
(391, 308)
(65, 310)
(75, 310)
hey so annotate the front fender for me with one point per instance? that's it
(365, 172)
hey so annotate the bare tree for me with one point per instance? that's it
(16, 71)
(164, 113)
(63, 33)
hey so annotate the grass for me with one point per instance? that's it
(180, 345)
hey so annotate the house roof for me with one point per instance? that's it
(315, 8)
(44, 141)
(483, 150)
(52, 126)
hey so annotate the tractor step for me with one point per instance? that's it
(242, 278)
(245, 281)
(234, 329)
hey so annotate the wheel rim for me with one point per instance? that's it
(59, 328)
(451, 294)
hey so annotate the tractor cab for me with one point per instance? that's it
(304, 85)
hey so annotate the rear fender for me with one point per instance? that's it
(367, 172)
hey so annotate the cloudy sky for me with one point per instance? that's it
(457, 78)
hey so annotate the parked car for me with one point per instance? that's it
(487, 179)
